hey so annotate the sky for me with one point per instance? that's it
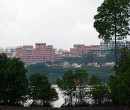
(61, 23)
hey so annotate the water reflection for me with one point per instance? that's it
(60, 101)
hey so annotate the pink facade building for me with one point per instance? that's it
(41, 53)
(95, 47)
(80, 50)
(45, 53)
(49, 54)
(96, 50)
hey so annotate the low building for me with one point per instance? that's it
(95, 64)
(111, 64)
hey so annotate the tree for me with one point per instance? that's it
(13, 81)
(73, 85)
(91, 57)
(120, 83)
(94, 80)
(67, 84)
(112, 20)
(40, 89)
(81, 79)
(99, 93)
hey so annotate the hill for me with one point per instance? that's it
(55, 72)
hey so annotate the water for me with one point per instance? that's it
(60, 101)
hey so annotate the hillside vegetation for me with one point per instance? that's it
(56, 72)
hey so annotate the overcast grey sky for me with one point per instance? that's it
(60, 23)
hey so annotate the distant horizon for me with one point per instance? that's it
(46, 44)
(54, 45)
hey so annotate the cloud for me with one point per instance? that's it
(58, 22)
(6, 15)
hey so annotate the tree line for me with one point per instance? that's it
(80, 90)
(16, 87)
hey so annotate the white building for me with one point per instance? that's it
(108, 47)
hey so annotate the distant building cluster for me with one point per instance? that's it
(32, 55)
(42, 52)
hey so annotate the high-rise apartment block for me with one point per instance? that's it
(107, 47)
(111, 45)
(41, 53)
(79, 50)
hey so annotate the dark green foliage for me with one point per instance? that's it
(81, 76)
(110, 57)
(94, 80)
(124, 61)
(99, 93)
(67, 84)
(40, 89)
(91, 57)
(68, 80)
(120, 83)
(13, 81)
(71, 83)
(51, 72)
(37, 68)
(112, 17)
(103, 72)
(113, 20)
(57, 72)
